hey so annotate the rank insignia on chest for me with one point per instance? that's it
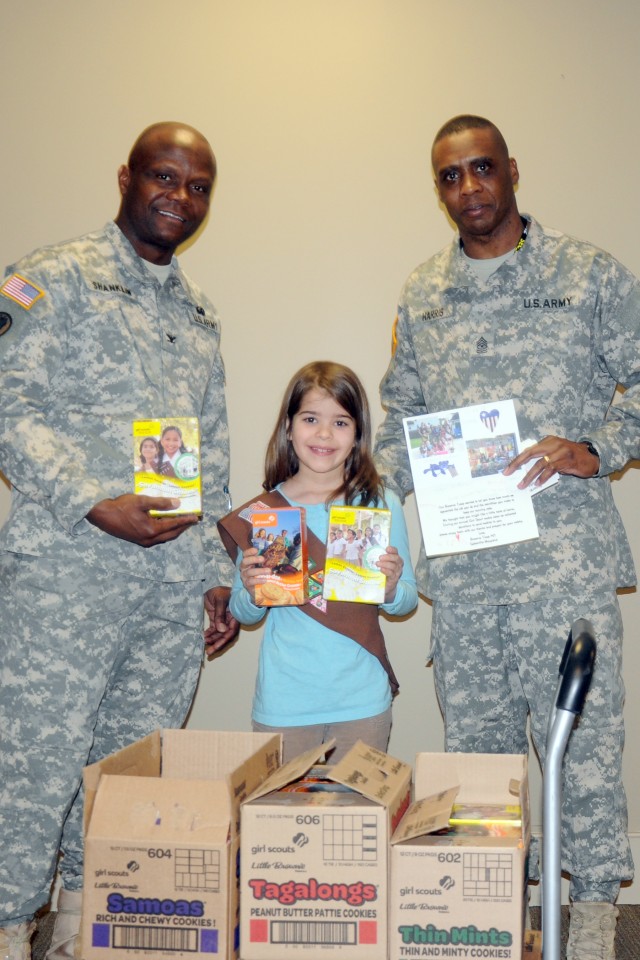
(21, 290)
(482, 346)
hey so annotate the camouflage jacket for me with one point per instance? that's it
(92, 343)
(557, 327)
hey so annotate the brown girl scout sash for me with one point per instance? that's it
(358, 621)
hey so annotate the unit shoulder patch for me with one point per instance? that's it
(5, 322)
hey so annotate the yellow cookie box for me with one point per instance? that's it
(358, 536)
(166, 462)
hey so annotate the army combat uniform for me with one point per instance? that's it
(100, 639)
(556, 328)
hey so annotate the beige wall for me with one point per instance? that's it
(321, 115)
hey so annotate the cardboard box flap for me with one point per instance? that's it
(426, 816)
(139, 759)
(157, 810)
(293, 770)
(212, 755)
(372, 773)
(520, 789)
(249, 775)
(484, 777)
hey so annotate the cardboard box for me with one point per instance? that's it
(285, 554)
(532, 945)
(162, 843)
(314, 862)
(459, 895)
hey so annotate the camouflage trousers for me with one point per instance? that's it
(89, 662)
(496, 668)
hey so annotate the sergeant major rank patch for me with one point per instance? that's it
(21, 290)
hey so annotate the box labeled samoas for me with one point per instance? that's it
(166, 462)
(357, 538)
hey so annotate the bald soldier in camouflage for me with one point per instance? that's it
(513, 309)
(101, 606)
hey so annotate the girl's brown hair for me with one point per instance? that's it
(362, 482)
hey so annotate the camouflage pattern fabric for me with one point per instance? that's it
(89, 664)
(100, 639)
(557, 328)
(495, 664)
(106, 345)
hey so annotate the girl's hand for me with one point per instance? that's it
(391, 564)
(252, 569)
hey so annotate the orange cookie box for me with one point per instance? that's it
(280, 535)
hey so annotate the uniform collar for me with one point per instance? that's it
(461, 274)
(132, 262)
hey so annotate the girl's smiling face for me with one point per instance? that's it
(149, 450)
(322, 434)
(171, 441)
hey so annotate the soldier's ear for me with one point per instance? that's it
(124, 178)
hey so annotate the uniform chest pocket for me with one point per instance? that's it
(102, 359)
(554, 345)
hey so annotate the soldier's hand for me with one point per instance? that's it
(223, 627)
(555, 455)
(127, 517)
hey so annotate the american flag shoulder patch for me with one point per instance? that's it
(21, 290)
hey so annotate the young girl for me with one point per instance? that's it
(148, 455)
(170, 447)
(314, 681)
